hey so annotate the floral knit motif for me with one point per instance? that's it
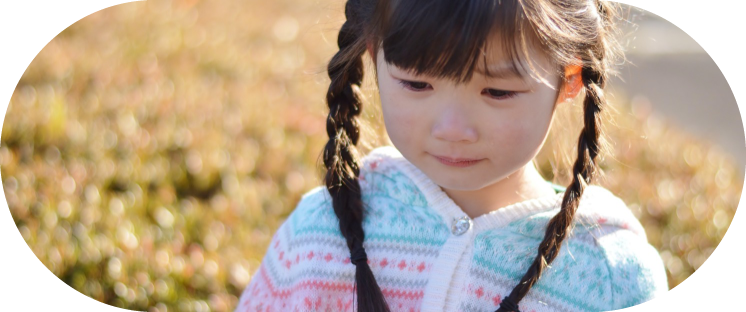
(421, 265)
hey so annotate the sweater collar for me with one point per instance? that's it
(613, 211)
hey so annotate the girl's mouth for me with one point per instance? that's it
(457, 162)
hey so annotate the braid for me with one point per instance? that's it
(346, 73)
(584, 170)
(598, 60)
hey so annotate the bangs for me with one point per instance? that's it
(448, 38)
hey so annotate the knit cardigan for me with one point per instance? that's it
(425, 259)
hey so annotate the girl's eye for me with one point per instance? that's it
(414, 85)
(500, 94)
(419, 86)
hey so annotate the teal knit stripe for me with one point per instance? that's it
(333, 231)
(516, 274)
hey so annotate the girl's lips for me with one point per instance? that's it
(455, 159)
(457, 162)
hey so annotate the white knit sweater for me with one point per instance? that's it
(424, 259)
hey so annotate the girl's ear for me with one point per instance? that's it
(573, 83)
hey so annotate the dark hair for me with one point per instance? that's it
(446, 38)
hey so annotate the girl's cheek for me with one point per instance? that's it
(402, 124)
(398, 108)
(511, 135)
(389, 111)
(398, 120)
(529, 134)
(517, 134)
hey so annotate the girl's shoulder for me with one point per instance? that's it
(635, 269)
(381, 176)
(389, 193)
(616, 240)
(607, 243)
(394, 204)
(598, 208)
(385, 173)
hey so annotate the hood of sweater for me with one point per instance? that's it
(599, 210)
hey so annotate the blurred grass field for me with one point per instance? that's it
(151, 150)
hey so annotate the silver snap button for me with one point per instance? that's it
(460, 225)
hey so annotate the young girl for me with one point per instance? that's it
(454, 216)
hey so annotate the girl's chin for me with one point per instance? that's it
(455, 185)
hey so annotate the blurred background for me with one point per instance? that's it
(151, 150)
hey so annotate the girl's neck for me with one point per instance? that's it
(524, 184)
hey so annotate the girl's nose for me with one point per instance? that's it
(454, 126)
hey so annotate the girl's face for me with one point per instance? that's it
(499, 122)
